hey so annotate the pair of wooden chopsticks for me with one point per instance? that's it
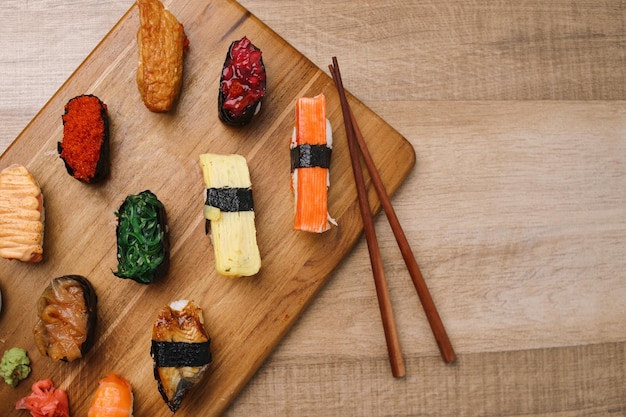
(356, 143)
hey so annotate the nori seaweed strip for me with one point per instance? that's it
(230, 199)
(142, 238)
(180, 354)
(103, 166)
(307, 155)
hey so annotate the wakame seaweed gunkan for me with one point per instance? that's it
(142, 238)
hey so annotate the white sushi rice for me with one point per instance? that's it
(179, 305)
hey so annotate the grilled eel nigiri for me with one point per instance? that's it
(180, 350)
(21, 215)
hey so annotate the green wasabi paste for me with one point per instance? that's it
(15, 366)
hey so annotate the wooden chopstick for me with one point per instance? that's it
(396, 360)
(437, 327)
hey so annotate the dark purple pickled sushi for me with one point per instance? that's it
(242, 84)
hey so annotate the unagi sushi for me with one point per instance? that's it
(85, 145)
(181, 350)
(161, 44)
(21, 215)
(67, 311)
(311, 148)
(142, 238)
(113, 398)
(229, 214)
(242, 83)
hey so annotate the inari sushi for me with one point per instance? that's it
(181, 350)
(67, 311)
(161, 45)
(113, 398)
(311, 148)
(242, 83)
(85, 145)
(142, 238)
(21, 215)
(229, 214)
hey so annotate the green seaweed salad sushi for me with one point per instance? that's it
(142, 238)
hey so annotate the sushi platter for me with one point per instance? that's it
(245, 317)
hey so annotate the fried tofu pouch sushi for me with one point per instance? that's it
(181, 350)
(161, 43)
(229, 213)
(21, 215)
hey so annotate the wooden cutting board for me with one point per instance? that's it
(246, 317)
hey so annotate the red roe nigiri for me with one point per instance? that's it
(113, 398)
(85, 145)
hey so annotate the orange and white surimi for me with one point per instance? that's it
(312, 136)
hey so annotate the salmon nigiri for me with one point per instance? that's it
(114, 398)
(21, 215)
(311, 147)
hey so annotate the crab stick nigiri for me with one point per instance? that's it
(311, 147)
(21, 215)
(113, 398)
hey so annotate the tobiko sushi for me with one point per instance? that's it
(113, 398)
(181, 350)
(311, 149)
(21, 215)
(85, 148)
(242, 83)
(67, 311)
(142, 238)
(229, 214)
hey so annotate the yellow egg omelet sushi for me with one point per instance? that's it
(229, 212)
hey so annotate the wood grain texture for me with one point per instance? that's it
(515, 208)
(246, 317)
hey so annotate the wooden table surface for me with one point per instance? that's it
(516, 209)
